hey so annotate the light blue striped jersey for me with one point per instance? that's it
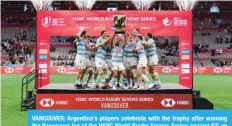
(140, 50)
(150, 50)
(101, 51)
(108, 54)
(117, 54)
(128, 50)
(81, 47)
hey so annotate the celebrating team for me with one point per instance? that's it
(132, 56)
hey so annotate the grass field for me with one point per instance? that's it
(216, 88)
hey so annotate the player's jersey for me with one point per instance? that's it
(88, 53)
(108, 54)
(117, 54)
(141, 50)
(101, 51)
(128, 50)
(81, 47)
(92, 53)
(151, 50)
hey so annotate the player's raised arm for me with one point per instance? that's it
(126, 39)
(104, 41)
(149, 41)
(77, 37)
(91, 48)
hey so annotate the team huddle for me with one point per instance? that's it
(130, 57)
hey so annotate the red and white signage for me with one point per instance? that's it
(114, 101)
(159, 69)
(69, 23)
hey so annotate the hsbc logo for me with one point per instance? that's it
(168, 102)
(166, 70)
(217, 70)
(9, 70)
(167, 22)
(47, 102)
(46, 22)
(61, 70)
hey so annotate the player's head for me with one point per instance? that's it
(132, 37)
(118, 39)
(84, 34)
(148, 36)
(88, 38)
(139, 38)
(135, 31)
(104, 33)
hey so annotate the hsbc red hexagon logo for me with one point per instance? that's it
(168, 102)
(194, 70)
(47, 102)
(217, 70)
(166, 70)
(61, 70)
(9, 70)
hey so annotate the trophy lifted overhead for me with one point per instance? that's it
(119, 23)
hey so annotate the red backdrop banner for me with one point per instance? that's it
(69, 23)
(159, 69)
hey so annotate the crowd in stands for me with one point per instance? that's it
(15, 52)
(18, 54)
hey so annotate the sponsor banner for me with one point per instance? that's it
(163, 70)
(114, 101)
(63, 23)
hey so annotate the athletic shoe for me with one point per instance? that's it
(125, 87)
(156, 86)
(106, 87)
(151, 86)
(114, 87)
(80, 87)
(135, 87)
(141, 88)
(97, 87)
(86, 86)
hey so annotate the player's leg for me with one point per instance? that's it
(90, 73)
(123, 72)
(115, 76)
(139, 78)
(109, 72)
(153, 61)
(140, 70)
(128, 72)
(118, 79)
(134, 76)
(145, 78)
(80, 63)
(89, 70)
(133, 68)
(99, 72)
